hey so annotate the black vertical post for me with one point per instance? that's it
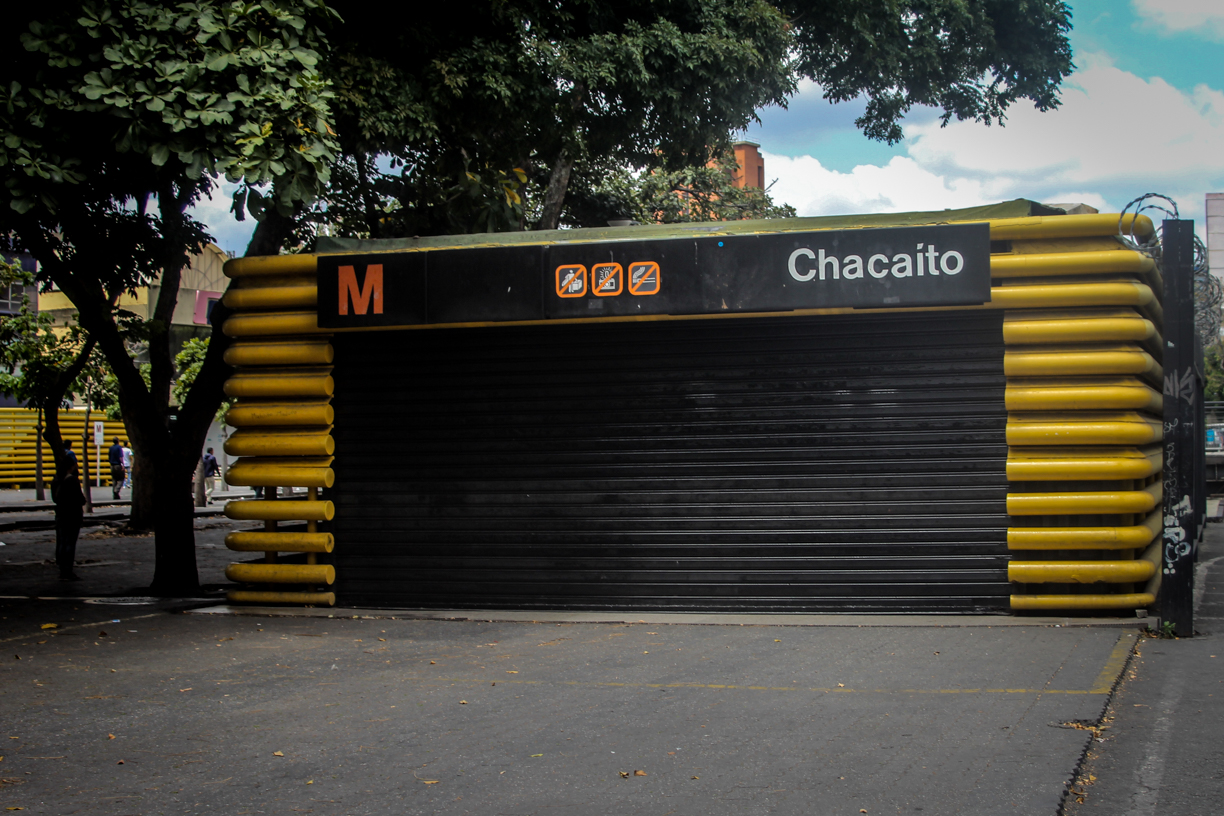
(1182, 398)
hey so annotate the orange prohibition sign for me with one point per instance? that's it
(644, 278)
(607, 279)
(571, 280)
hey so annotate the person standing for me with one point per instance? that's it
(118, 474)
(128, 460)
(211, 470)
(69, 513)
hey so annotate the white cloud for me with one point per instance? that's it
(228, 233)
(1204, 17)
(1115, 137)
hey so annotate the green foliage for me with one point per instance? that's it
(972, 58)
(188, 363)
(156, 91)
(667, 197)
(1213, 390)
(519, 85)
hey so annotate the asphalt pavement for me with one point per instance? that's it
(130, 706)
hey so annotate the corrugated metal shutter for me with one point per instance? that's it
(830, 463)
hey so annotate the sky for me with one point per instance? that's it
(1143, 112)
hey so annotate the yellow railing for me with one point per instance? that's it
(19, 444)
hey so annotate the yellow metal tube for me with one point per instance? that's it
(1050, 264)
(281, 542)
(1088, 503)
(1130, 600)
(270, 352)
(1021, 331)
(272, 297)
(278, 442)
(1070, 295)
(280, 510)
(256, 473)
(1019, 362)
(264, 324)
(1085, 396)
(1081, 464)
(1068, 226)
(1079, 572)
(252, 384)
(1085, 538)
(281, 573)
(263, 266)
(1089, 431)
(272, 414)
(294, 598)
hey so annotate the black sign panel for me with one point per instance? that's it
(945, 265)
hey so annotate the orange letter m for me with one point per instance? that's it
(361, 295)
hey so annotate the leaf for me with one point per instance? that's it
(536, 755)
(623, 774)
(696, 777)
(50, 626)
(508, 671)
(639, 773)
(463, 702)
(278, 753)
(110, 736)
(430, 781)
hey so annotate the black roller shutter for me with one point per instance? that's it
(799, 463)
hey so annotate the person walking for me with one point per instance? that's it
(114, 455)
(128, 460)
(69, 513)
(211, 470)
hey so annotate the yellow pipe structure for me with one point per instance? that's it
(287, 598)
(281, 573)
(1083, 429)
(272, 297)
(267, 266)
(1129, 600)
(280, 510)
(1079, 572)
(1081, 464)
(264, 324)
(280, 442)
(279, 472)
(281, 542)
(1078, 362)
(1071, 295)
(1069, 226)
(1086, 503)
(1051, 264)
(283, 383)
(1085, 538)
(1086, 394)
(277, 352)
(1103, 328)
(247, 414)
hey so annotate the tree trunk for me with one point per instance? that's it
(554, 197)
(174, 571)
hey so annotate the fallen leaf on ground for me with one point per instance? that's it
(639, 773)
(278, 753)
(433, 662)
(430, 781)
(110, 736)
(50, 626)
(463, 702)
(309, 781)
(841, 685)
(186, 689)
(511, 672)
(696, 777)
(863, 810)
(120, 762)
(623, 774)
(537, 755)
(776, 640)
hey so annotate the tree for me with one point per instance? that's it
(435, 119)
(116, 117)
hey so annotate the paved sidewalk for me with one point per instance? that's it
(1161, 752)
